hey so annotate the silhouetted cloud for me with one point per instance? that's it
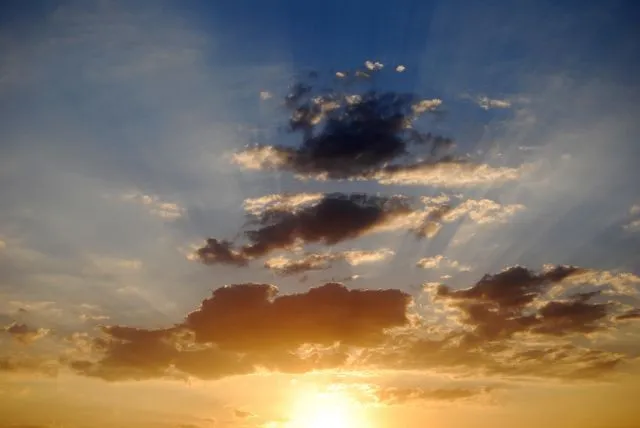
(516, 322)
(501, 305)
(633, 314)
(250, 316)
(25, 334)
(215, 251)
(245, 326)
(368, 136)
(285, 226)
(291, 221)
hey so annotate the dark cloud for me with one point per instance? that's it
(335, 218)
(135, 354)
(512, 288)
(215, 251)
(633, 314)
(499, 306)
(346, 135)
(25, 334)
(250, 316)
(368, 135)
(513, 323)
(242, 414)
(560, 318)
(245, 326)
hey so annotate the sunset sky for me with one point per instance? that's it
(290, 214)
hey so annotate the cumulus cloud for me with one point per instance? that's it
(368, 136)
(251, 316)
(518, 300)
(279, 222)
(245, 326)
(25, 334)
(508, 323)
(283, 225)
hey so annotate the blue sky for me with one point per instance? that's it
(118, 121)
(106, 98)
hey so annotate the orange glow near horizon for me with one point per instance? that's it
(332, 409)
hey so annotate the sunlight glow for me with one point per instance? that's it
(333, 409)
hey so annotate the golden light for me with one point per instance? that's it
(331, 409)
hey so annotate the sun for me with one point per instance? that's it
(332, 409)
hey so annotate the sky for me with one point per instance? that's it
(319, 214)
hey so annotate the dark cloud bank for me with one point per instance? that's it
(500, 323)
(367, 135)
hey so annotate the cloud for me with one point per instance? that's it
(287, 226)
(610, 283)
(518, 300)
(446, 173)
(483, 211)
(512, 323)
(25, 334)
(634, 224)
(441, 262)
(487, 103)
(368, 136)
(215, 251)
(321, 261)
(280, 202)
(280, 222)
(245, 326)
(242, 414)
(250, 316)
(156, 207)
(28, 365)
(285, 266)
(633, 314)
(394, 395)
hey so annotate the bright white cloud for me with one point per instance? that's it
(278, 202)
(488, 103)
(441, 262)
(157, 207)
